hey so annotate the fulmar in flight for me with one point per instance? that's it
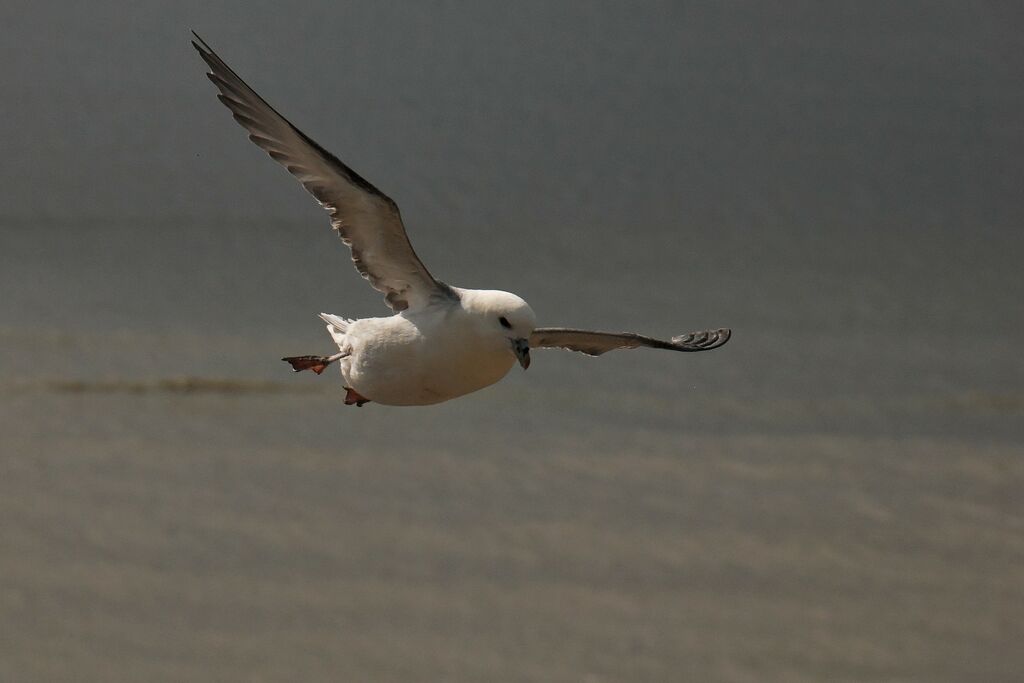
(442, 341)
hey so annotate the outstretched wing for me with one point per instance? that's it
(596, 343)
(367, 219)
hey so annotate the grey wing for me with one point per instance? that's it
(367, 220)
(595, 343)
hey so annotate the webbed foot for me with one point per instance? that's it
(315, 363)
(353, 397)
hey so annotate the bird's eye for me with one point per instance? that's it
(504, 322)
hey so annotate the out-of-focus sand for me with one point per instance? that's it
(261, 531)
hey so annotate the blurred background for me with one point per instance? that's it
(835, 495)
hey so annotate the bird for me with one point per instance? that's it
(440, 342)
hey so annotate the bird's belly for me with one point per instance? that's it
(422, 374)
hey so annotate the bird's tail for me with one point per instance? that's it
(336, 327)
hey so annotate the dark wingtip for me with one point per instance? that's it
(722, 335)
(199, 43)
(705, 340)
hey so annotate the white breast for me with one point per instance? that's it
(398, 361)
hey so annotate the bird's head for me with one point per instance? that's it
(503, 318)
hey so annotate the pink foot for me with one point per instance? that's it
(352, 397)
(315, 363)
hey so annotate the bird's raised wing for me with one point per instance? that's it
(596, 343)
(367, 219)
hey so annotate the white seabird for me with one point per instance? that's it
(442, 341)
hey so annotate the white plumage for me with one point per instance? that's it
(429, 355)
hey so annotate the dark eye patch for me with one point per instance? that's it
(504, 322)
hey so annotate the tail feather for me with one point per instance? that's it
(336, 327)
(336, 321)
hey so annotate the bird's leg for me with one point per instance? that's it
(353, 397)
(315, 363)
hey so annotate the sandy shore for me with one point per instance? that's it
(168, 535)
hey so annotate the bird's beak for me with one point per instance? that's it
(521, 348)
